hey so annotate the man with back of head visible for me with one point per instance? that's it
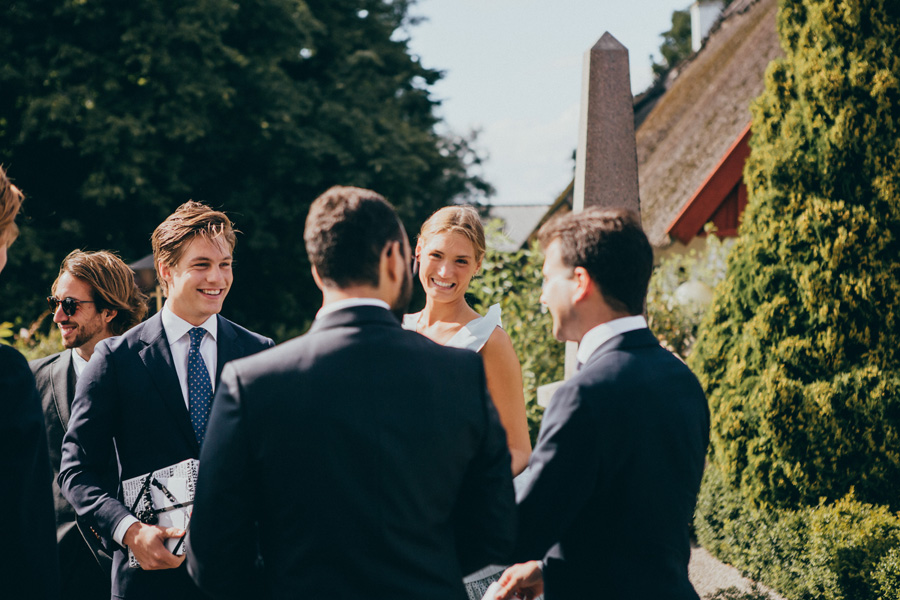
(94, 297)
(618, 461)
(362, 459)
(135, 401)
(28, 562)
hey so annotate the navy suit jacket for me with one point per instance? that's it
(363, 460)
(128, 401)
(28, 562)
(617, 469)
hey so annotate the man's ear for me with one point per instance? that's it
(584, 285)
(165, 273)
(419, 246)
(109, 314)
(317, 278)
(393, 251)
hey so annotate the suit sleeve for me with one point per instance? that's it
(564, 467)
(26, 503)
(88, 451)
(222, 542)
(485, 517)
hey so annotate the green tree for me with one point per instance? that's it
(800, 354)
(113, 114)
(676, 44)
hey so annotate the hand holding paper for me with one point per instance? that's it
(148, 543)
(525, 580)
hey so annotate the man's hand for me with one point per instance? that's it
(148, 544)
(525, 580)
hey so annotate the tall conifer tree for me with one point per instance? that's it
(800, 355)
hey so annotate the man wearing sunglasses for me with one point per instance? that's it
(94, 297)
(145, 396)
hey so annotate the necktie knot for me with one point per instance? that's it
(196, 334)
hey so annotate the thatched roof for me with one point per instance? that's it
(704, 112)
(704, 109)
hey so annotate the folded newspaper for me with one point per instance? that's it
(164, 497)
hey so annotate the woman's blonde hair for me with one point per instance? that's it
(463, 220)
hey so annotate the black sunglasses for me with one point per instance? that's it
(69, 305)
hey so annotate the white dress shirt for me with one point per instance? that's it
(78, 364)
(177, 330)
(604, 332)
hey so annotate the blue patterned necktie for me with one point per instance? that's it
(199, 386)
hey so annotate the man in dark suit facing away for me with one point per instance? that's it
(137, 400)
(360, 459)
(620, 454)
(94, 297)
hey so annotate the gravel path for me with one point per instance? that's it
(709, 575)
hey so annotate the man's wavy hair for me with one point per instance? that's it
(10, 203)
(112, 286)
(191, 219)
(611, 246)
(346, 230)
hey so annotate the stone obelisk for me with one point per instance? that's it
(606, 157)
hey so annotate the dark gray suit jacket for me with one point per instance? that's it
(129, 394)
(363, 460)
(28, 562)
(616, 471)
(79, 546)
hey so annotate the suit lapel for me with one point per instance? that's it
(62, 384)
(228, 346)
(157, 358)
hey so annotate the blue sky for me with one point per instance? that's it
(513, 71)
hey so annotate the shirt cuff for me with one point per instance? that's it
(119, 532)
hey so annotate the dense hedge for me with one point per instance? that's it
(800, 353)
(513, 279)
(845, 550)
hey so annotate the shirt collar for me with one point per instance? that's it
(176, 327)
(78, 364)
(350, 303)
(604, 332)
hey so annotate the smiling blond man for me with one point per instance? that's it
(137, 400)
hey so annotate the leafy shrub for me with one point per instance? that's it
(734, 593)
(671, 318)
(513, 279)
(887, 574)
(843, 550)
(32, 343)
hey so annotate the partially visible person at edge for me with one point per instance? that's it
(448, 254)
(619, 458)
(136, 402)
(29, 567)
(94, 297)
